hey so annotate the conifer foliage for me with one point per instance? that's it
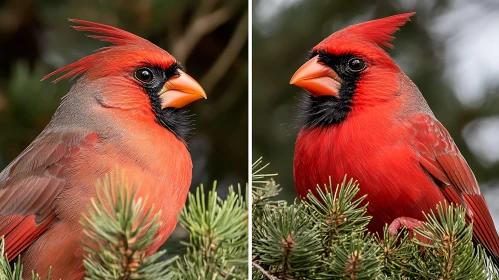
(118, 228)
(218, 245)
(326, 237)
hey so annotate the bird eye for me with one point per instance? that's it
(356, 64)
(144, 75)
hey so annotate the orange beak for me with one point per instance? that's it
(180, 91)
(317, 78)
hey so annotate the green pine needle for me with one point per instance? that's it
(337, 211)
(450, 248)
(289, 246)
(16, 271)
(118, 229)
(326, 237)
(218, 247)
(264, 188)
(354, 256)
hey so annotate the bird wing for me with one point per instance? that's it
(31, 183)
(441, 158)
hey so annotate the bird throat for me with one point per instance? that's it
(323, 111)
(178, 121)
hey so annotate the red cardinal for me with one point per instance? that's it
(124, 112)
(364, 117)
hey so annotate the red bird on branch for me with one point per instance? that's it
(124, 112)
(364, 117)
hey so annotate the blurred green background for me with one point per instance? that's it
(449, 50)
(209, 37)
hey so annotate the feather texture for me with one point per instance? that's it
(389, 140)
(442, 159)
(105, 123)
(379, 32)
(125, 46)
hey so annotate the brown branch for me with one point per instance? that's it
(199, 27)
(174, 27)
(264, 272)
(204, 7)
(228, 56)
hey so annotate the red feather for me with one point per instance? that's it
(20, 231)
(108, 59)
(110, 34)
(105, 123)
(404, 159)
(377, 31)
(442, 160)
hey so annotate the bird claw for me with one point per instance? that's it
(401, 222)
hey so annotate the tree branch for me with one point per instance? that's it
(204, 7)
(199, 27)
(264, 272)
(228, 56)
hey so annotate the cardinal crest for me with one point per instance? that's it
(379, 32)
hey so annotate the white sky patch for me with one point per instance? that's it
(491, 194)
(471, 39)
(411, 5)
(267, 12)
(482, 137)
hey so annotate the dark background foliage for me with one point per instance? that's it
(447, 50)
(209, 37)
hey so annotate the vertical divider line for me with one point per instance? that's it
(250, 129)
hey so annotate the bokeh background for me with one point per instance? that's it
(449, 50)
(209, 37)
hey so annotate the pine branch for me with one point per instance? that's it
(326, 237)
(264, 187)
(14, 272)
(450, 247)
(288, 246)
(118, 229)
(218, 237)
(261, 270)
(397, 253)
(354, 256)
(337, 210)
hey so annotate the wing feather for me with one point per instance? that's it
(441, 158)
(31, 183)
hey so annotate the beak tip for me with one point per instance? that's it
(183, 90)
(317, 79)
